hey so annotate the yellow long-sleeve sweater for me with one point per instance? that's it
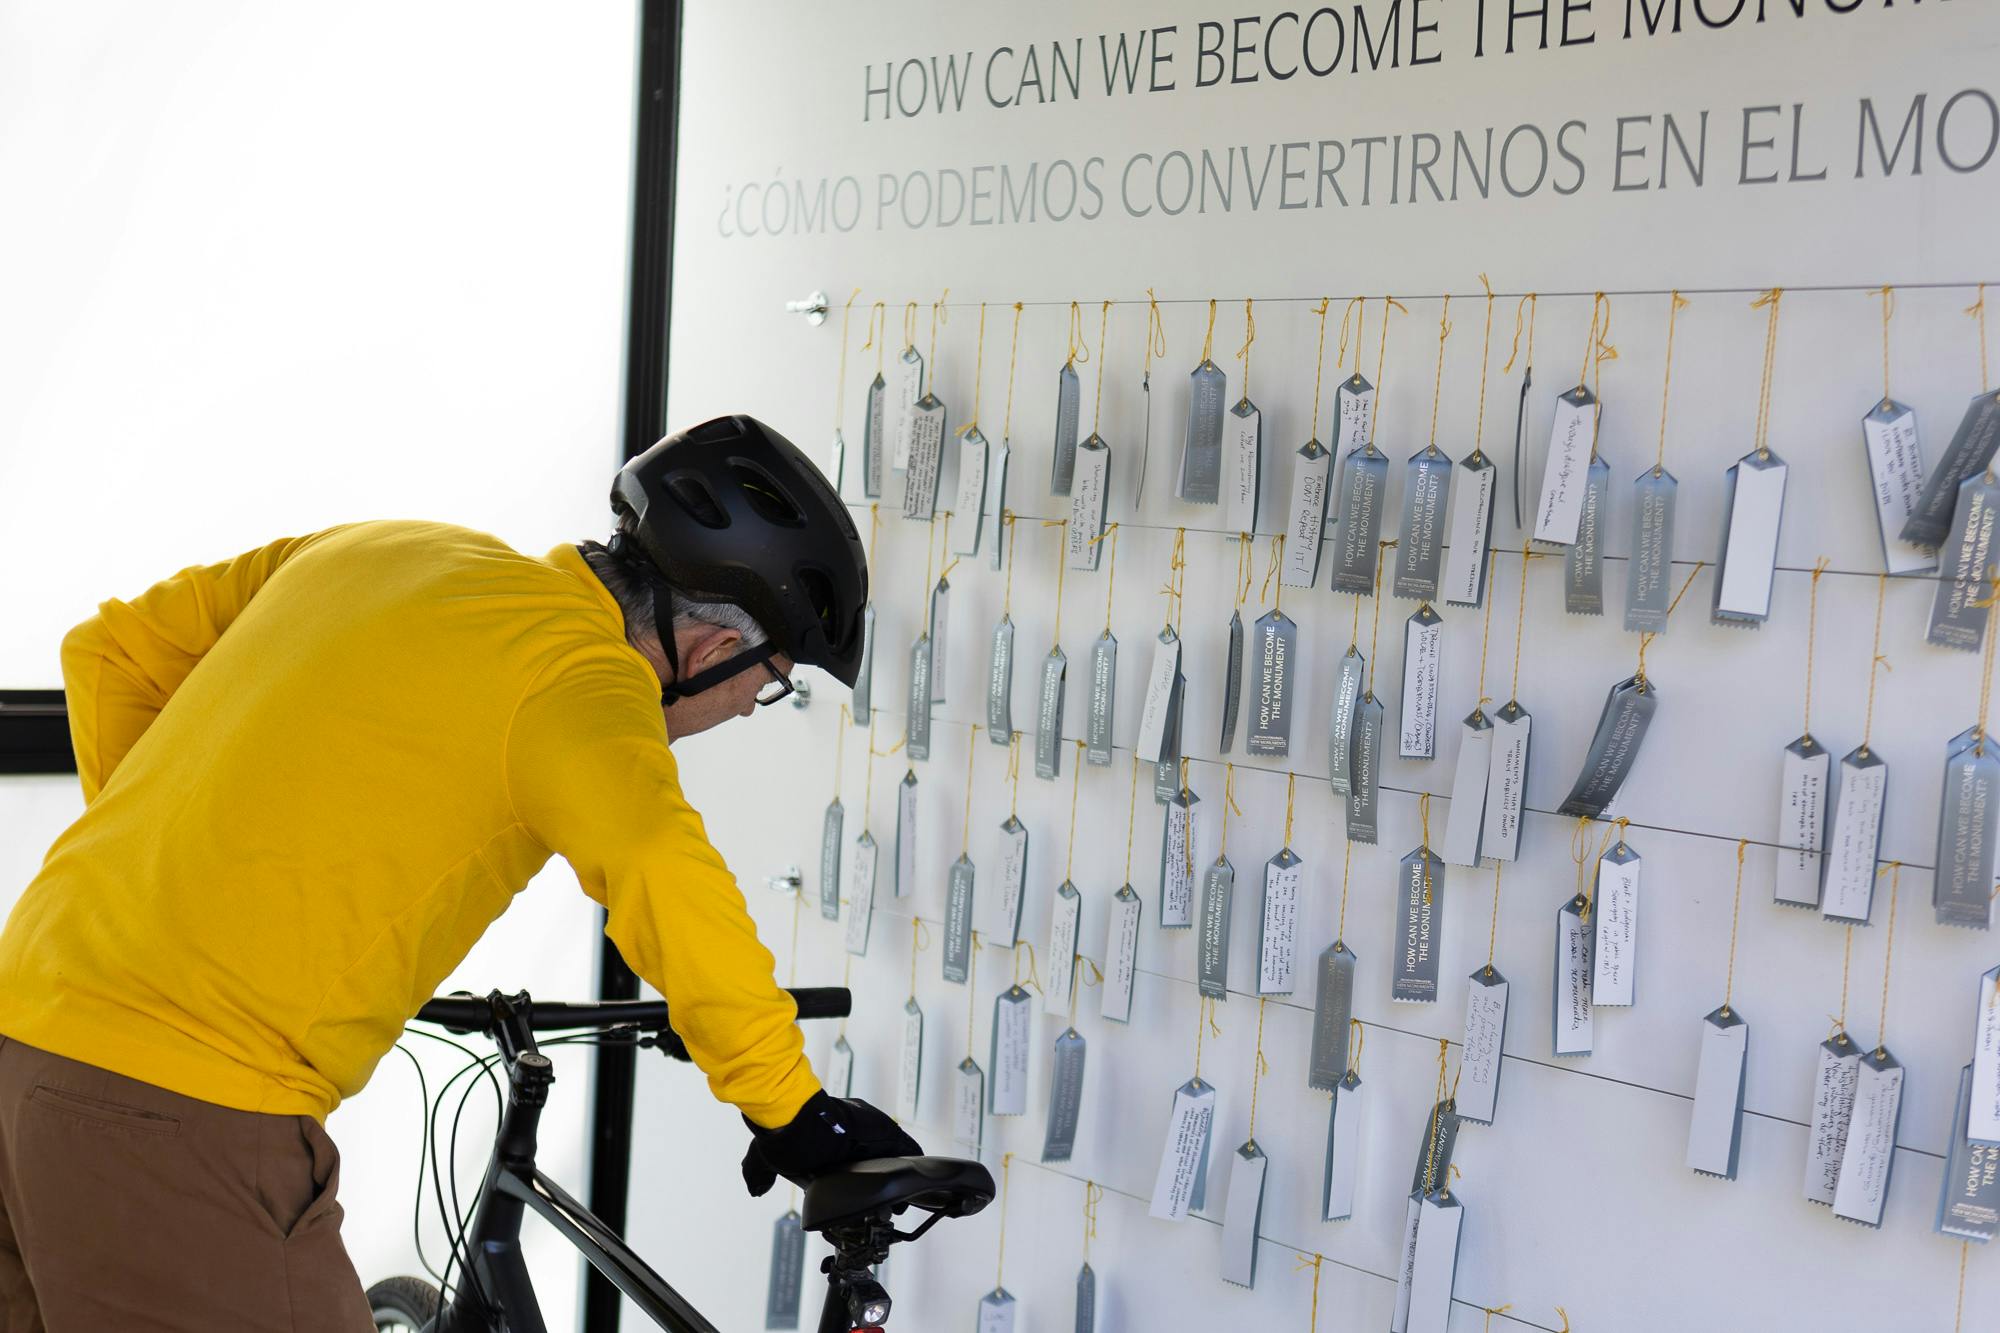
(317, 772)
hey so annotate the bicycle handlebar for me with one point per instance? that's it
(470, 1013)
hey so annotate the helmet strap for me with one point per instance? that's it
(715, 675)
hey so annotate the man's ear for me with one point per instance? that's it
(703, 646)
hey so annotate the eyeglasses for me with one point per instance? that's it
(777, 688)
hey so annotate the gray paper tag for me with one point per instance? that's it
(1833, 1110)
(1420, 900)
(1278, 924)
(861, 893)
(958, 920)
(1621, 727)
(909, 387)
(1435, 1146)
(968, 1105)
(1854, 845)
(970, 505)
(1969, 1202)
(1420, 536)
(1276, 640)
(1305, 515)
(1201, 453)
(1167, 772)
(829, 859)
(1012, 1022)
(1469, 530)
(1801, 822)
(1870, 1154)
(1232, 682)
(996, 502)
(1090, 489)
(1966, 563)
(1212, 947)
(1466, 817)
(864, 680)
(1122, 947)
(1181, 1184)
(788, 1266)
(840, 1069)
(1477, 1090)
(1347, 680)
(939, 626)
(1086, 1300)
(1614, 950)
(836, 460)
(1177, 861)
(1507, 783)
(1103, 698)
(874, 439)
(1753, 510)
(1572, 444)
(917, 726)
(1650, 572)
(1583, 563)
(1065, 915)
(1364, 770)
(1968, 828)
(1146, 438)
(1574, 1021)
(1159, 693)
(1062, 467)
(1969, 454)
(1333, 1012)
(1065, 1098)
(1048, 724)
(1715, 1131)
(1364, 476)
(1000, 685)
(1242, 464)
(920, 483)
(910, 1067)
(1013, 881)
(905, 861)
(1423, 645)
(1343, 1150)
(1242, 1212)
(1896, 468)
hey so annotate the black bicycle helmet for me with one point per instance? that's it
(732, 511)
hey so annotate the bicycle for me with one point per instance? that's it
(853, 1208)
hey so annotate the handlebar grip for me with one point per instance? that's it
(824, 1002)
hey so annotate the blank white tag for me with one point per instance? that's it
(1468, 523)
(1061, 956)
(1855, 842)
(1423, 640)
(1870, 1154)
(1435, 1266)
(1242, 448)
(1571, 435)
(1241, 1213)
(1122, 946)
(1343, 1150)
(1833, 1109)
(860, 893)
(1716, 1129)
(1305, 515)
(1468, 791)
(1896, 474)
(1983, 1122)
(996, 1311)
(906, 835)
(1277, 948)
(968, 1106)
(1013, 882)
(1485, 1039)
(1159, 693)
(970, 506)
(1575, 1025)
(1506, 784)
(1181, 1179)
(1614, 954)
(1751, 518)
(1012, 1022)
(910, 1068)
(1801, 822)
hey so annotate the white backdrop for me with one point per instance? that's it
(1577, 1196)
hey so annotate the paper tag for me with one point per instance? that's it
(1435, 1147)
(864, 680)
(1159, 693)
(1575, 1024)
(1364, 770)
(1506, 783)
(1614, 951)
(996, 1311)
(1753, 508)
(968, 1105)
(1065, 1098)
(1086, 1300)
(1870, 1155)
(1200, 479)
(958, 920)
(1958, 613)
(1969, 454)
(1357, 534)
(1984, 1123)
(1648, 590)
(906, 835)
(1242, 462)
(1420, 535)
(1833, 1109)
(1621, 727)
(1343, 1150)
(1177, 861)
(920, 482)
(1347, 681)
(1179, 1184)
(1715, 1132)
(788, 1266)
(1048, 723)
(1275, 648)
(1423, 644)
(839, 1078)
(970, 505)
(909, 387)
(1090, 490)
(1969, 1202)
(1000, 685)
(874, 439)
(1242, 1212)
(1467, 814)
(1896, 469)
(1232, 682)
(1406, 1266)
(1855, 843)
(1435, 1266)
(1333, 1015)
(1353, 413)
(996, 502)
(1013, 881)
(1012, 1022)
(1167, 772)
(1469, 530)
(940, 638)
(1146, 438)
(1968, 831)
(1572, 442)
(1103, 700)
(836, 460)
(1277, 935)
(917, 726)
(1305, 515)
(860, 893)
(1801, 836)
(1478, 1086)
(910, 1068)
(1583, 563)
(1062, 466)
(1064, 914)
(829, 860)
(1122, 946)
(1212, 946)
(1420, 896)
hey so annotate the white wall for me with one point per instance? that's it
(1577, 1196)
(272, 267)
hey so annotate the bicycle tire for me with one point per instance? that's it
(404, 1303)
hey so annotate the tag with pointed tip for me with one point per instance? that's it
(1802, 793)
(1834, 1077)
(909, 388)
(1200, 480)
(1278, 928)
(1242, 1213)
(1506, 783)
(1343, 1150)
(1357, 536)
(910, 1068)
(958, 920)
(1896, 469)
(1090, 491)
(1969, 454)
(1065, 1097)
(1347, 682)
(1420, 937)
(1574, 1022)
(927, 434)
(906, 835)
(1069, 393)
(861, 893)
(1869, 1157)
(1048, 723)
(1122, 946)
(1275, 647)
(970, 505)
(1103, 700)
(864, 680)
(1305, 515)
(1583, 562)
(939, 625)
(1968, 831)
(1614, 948)
(1013, 1020)
(1153, 714)
(1177, 861)
(1086, 1300)
(1013, 881)
(1064, 916)
(1000, 685)
(1364, 770)
(1715, 1131)
(1242, 465)
(996, 1311)
(1478, 1086)
(1434, 1267)
(1354, 414)
(1466, 817)
(1469, 530)
(1423, 652)
(1621, 728)
(1965, 562)
(1232, 682)
(1969, 1202)
(788, 1266)
(968, 1106)
(996, 502)
(874, 439)
(1181, 1184)
(1854, 845)
(1753, 510)
(1435, 1146)
(1166, 773)
(917, 726)
(1420, 535)
(1572, 440)
(829, 859)
(1649, 578)
(1333, 1014)
(1212, 946)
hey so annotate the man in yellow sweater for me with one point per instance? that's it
(314, 775)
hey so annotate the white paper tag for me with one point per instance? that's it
(1423, 643)
(910, 1067)
(1751, 519)
(970, 506)
(1870, 1154)
(1467, 813)
(1184, 1155)
(1242, 448)
(1896, 474)
(1614, 953)
(1061, 956)
(996, 1311)
(1343, 1150)
(1354, 409)
(1434, 1267)
(940, 623)
(1176, 866)
(860, 893)
(1089, 488)
(1241, 1212)
(1277, 950)
(1305, 515)
(906, 835)
(907, 385)
(1833, 1109)
(1122, 946)
(1855, 842)
(1006, 931)
(1572, 434)
(1575, 1023)
(1159, 693)
(968, 1105)
(1506, 784)
(1468, 522)
(1983, 1122)
(1406, 1266)
(1715, 1131)
(1801, 822)
(1485, 1039)
(1012, 1023)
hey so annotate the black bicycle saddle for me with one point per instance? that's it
(949, 1186)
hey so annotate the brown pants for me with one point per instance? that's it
(124, 1206)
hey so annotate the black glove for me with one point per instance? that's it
(827, 1133)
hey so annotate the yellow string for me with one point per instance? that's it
(971, 991)
(839, 749)
(1958, 1319)
(1424, 819)
(1485, 637)
(1075, 783)
(1014, 772)
(1204, 1019)
(1888, 309)
(1007, 596)
(1674, 304)
(874, 530)
(1077, 981)
(1485, 358)
(971, 749)
(1271, 572)
(1646, 639)
(1520, 619)
(940, 314)
(1257, 1068)
(1243, 572)
(1176, 578)
(1188, 842)
(1093, 1194)
(1062, 545)
(1895, 870)
(1772, 300)
(1381, 360)
(1532, 304)
(1208, 338)
(1586, 862)
(1590, 341)
(1375, 634)
(1249, 336)
(1228, 803)
(1437, 385)
(1565, 1318)
(917, 933)
(1846, 957)
(868, 780)
(978, 374)
(1314, 1264)
(840, 385)
(1291, 786)
(1354, 303)
(1077, 350)
(1357, 1035)
(1346, 878)
(1977, 310)
(1013, 351)
(1103, 323)
(1493, 931)
(1000, 1269)
(1319, 364)
(1131, 812)
(1034, 979)
(1735, 915)
(1110, 572)
(1820, 567)
(1492, 1310)
(878, 320)
(910, 326)
(1875, 660)
(1156, 332)
(1437, 1121)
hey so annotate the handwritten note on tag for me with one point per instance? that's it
(1572, 435)
(1184, 1155)
(1870, 1154)
(1834, 1076)
(1485, 1041)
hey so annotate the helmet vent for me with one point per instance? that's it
(771, 501)
(697, 502)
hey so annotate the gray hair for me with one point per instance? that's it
(635, 599)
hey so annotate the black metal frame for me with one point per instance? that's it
(34, 732)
